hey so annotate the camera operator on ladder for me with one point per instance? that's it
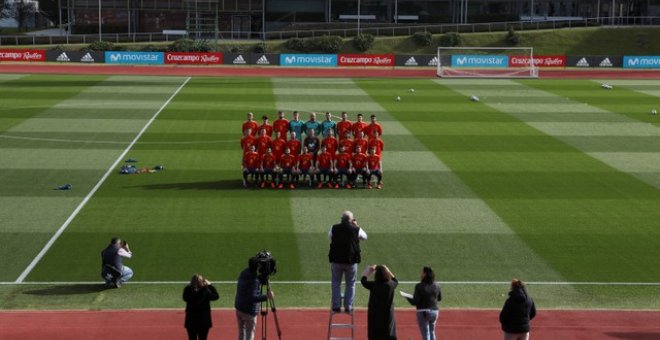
(248, 299)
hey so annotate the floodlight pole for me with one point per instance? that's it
(59, 12)
(263, 20)
(531, 11)
(358, 18)
(100, 34)
(396, 11)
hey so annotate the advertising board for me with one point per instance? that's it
(22, 55)
(539, 61)
(193, 58)
(606, 61)
(365, 60)
(476, 60)
(117, 57)
(322, 60)
(641, 61)
(75, 57)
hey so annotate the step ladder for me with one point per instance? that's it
(335, 326)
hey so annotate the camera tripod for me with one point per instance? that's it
(264, 313)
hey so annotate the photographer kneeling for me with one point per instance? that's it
(113, 270)
(248, 299)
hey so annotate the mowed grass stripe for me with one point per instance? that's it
(593, 225)
(194, 216)
(411, 213)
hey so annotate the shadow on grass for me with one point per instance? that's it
(73, 289)
(232, 184)
(635, 335)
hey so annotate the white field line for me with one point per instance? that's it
(536, 283)
(60, 140)
(73, 215)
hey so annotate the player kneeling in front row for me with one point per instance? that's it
(359, 167)
(287, 169)
(306, 166)
(268, 167)
(325, 172)
(374, 168)
(250, 166)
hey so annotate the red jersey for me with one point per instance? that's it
(251, 160)
(287, 161)
(281, 126)
(268, 161)
(263, 142)
(347, 144)
(252, 125)
(278, 147)
(362, 143)
(369, 130)
(247, 141)
(376, 143)
(342, 127)
(357, 127)
(324, 160)
(373, 162)
(294, 145)
(330, 144)
(343, 160)
(268, 128)
(359, 160)
(305, 161)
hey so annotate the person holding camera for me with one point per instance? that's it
(344, 258)
(113, 270)
(381, 324)
(248, 299)
(426, 297)
(198, 296)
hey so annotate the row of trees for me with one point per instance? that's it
(23, 11)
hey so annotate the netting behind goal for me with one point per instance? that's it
(486, 62)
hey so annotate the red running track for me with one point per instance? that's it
(247, 71)
(312, 324)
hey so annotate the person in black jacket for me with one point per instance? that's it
(426, 297)
(518, 310)
(381, 324)
(248, 299)
(344, 256)
(198, 296)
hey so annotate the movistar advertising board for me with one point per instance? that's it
(477, 60)
(325, 60)
(641, 61)
(134, 57)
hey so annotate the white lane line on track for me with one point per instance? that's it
(73, 215)
(538, 283)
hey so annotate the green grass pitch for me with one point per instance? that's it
(556, 182)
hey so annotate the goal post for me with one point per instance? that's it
(486, 62)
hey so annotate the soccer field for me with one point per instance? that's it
(556, 182)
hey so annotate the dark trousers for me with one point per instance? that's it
(197, 334)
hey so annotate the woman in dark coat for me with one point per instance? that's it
(198, 296)
(380, 315)
(426, 297)
(518, 310)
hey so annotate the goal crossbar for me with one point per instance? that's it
(486, 62)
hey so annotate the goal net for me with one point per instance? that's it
(486, 62)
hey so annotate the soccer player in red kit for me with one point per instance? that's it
(265, 125)
(373, 126)
(360, 141)
(343, 126)
(287, 168)
(376, 142)
(324, 169)
(281, 124)
(263, 142)
(268, 165)
(375, 167)
(343, 166)
(294, 144)
(250, 124)
(248, 140)
(306, 166)
(278, 144)
(347, 142)
(359, 166)
(330, 142)
(358, 126)
(250, 166)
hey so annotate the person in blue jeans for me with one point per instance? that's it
(426, 297)
(344, 257)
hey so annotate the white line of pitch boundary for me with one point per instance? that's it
(537, 283)
(73, 215)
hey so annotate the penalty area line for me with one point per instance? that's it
(73, 215)
(272, 282)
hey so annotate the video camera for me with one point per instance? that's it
(266, 266)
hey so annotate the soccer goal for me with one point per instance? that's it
(486, 62)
